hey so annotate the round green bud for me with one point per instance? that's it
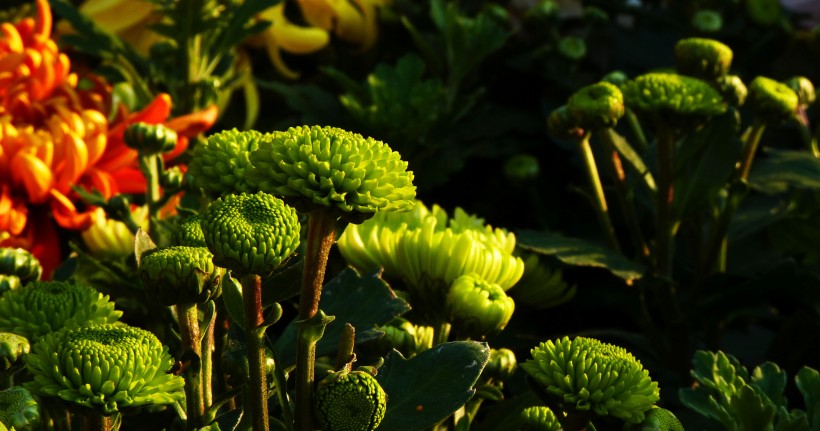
(41, 307)
(588, 375)
(330, 169)
(597, 106)
(538, 418)
(404, 336)
(172, 178)
(501, 365)
(20, 263)
(521, 168)
(180, 275)
(660, 419)
(702, 58)
(12, 348)
(19, 410)
(542, 286)
(804, 89)
(764, 12)
(9, 282)
(477, 308)
(561, 124)
(188, 232)
(250, 234)
(669, 94)
(350, 401)
(616, 78)
(104, 367)
(220, 165)
(707, 21)
(733, 89)
(772, 100)
(150, 138)
(572, 47)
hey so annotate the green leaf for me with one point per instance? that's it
(232, 297)
(363, 301)
(142, 243)
(705, 405)
(577, 252)
(633, 159)
(430, 386)
(775, 171)
(755, 412)
(808, 382)
(771, 380)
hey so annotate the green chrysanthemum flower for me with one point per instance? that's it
(707, 21)
(41, 307)
(20, 263)
(804, 89)
(702, 58)
(662, 420)
(733, 89)
(188, 232)
(180, 275)
(333, 170)
(477, 308)
(105, 367)
(588, 375)
(772, 100)
(220, 165)
(501, 365)
(541, 286)
(250, 234)
(150, 138)
(350, 401)
(538, 418)
(9, 282)
(12, 348)
(404, 336)
(19, 410)
(672, 94)
(597, 106)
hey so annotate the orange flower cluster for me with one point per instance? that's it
(55, 135)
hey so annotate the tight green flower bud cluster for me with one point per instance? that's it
(9, 282)
(12, 348)
(702, 58)
(220, 164)
(180, 275)
(772, 100)
(589, 375)
(804, 89)
(333, 170)
(19, 410)
(350, 401)
(188, 232)
(150, 138)
(250, 234)
(19, 263)
(41, 307)
(538, 418)
(105, 367)
(404, 336)
(669, 93)
(501, 365)
(476, 308)
(597, 106)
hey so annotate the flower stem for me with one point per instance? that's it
(189, 332)
(750, 148)
(320, 238)
(664, 236)
(96, 421)
(601, 209)
(258, 391)
(345, 356)
(150, 167)
(208, 343)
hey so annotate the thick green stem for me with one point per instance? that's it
(344, 357)
(320, 238)
(637, 130)
(601, 209)
(208, 343)
(96, 421)
(665, 227)
(150, 167)
(258, 390)
(750, 148)
(189, 332)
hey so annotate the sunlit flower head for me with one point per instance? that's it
(55, 135)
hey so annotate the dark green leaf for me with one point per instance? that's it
(232, 297)
(808, 382)
(633, 159)
(573, 251)
(705, 405)
(774, 171)
(772, 381)
(755, 412)
(430, 386)
(363, 301)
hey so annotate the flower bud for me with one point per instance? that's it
(672, 96)
(12, 347)
(150, 138)
(732, 89)
(702, 58)
(19, 410)
(172, 178)
(9, 282)
(660, 419)
(188, 232)
(477, 308)
(771, 100)
(108, 237)
(597, 106)
(572, 47)
(616, 78)
(180, 275)
(501, 365)
(20, 263)
(538, 418)
(350, 401)
(804, 89)
(707, 21)
(220, 164)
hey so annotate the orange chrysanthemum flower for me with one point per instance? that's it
(54, 135)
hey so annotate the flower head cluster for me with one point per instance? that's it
(12, 348)
(350, 401)
(702, 58)
(669, 93)
(19, 263)
(589, 375)
(477, 308)
(538, 418)
(41, 307)
(772, 100)
(111, 238)
(597, 106)
(19, 410)
(180, 275)
(219, 165)
(105, 367)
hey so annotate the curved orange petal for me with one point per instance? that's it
(42, 26)
(101, 181)
(195, 123)
(182, 145)
(73, 164)
(66, 214)
(33, 174)
(13, 215)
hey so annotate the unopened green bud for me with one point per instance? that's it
(220, 164)
(180, 275)
(250, 234)
(188, 232)
(670, 95)
(764, 12)
(104, 367)
(616, 78)
(347, 401)
(12, 347)
(702, 58)
(19, 410)
(572, 47)
(20, 263)
(597, 106)
(804, 89)
(707, 21)
(521, 168)
(333, 170)
(477, 308)
(538, 418)
(588, 375)
(771, 100)
(150, 138)
(658, 419)
(9, 282)
(561, 124)
(41, 307)
(404, 336)
(733, 89)
(172, 178)
(501, 366)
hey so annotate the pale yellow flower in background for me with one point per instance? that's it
(128, 19)
(108, 237)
